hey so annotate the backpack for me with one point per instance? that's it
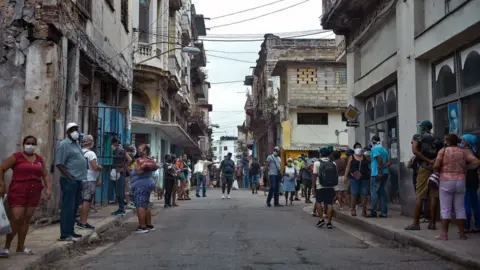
(429, 145)
(228, 167)
(328, 176)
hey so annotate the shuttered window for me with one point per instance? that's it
(144, 21)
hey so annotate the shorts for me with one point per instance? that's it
(24, 193)
(325, 195)
(359, 187)
(341, 184)
(227, 180)
(307, 183)
(141, 194)
(422, 183)
(88, 190)
(255, 179)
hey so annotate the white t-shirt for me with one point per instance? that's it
(316, 169)
(92, 175)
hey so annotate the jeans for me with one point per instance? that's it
(169, 183)
(274, 190)
(201, 179)
(378, 192)
(246, 178)
(471, 204)
(120, 191)
(71, 196)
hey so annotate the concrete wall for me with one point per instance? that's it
(317, 134)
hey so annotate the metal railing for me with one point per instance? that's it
(85, 6)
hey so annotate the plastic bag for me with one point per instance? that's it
(4, 222)
(235, 185)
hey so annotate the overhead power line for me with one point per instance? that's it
(261, 16)
(231, 59)
(227, 82)
(253, 40)
(245, 10)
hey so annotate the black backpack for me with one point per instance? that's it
(429, 145)
(328, 176)
(228, 166)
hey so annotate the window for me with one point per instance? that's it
(139, 110)
(144, 21)
(225, 148)
(471, 114)
(312, 118)
(445, 79)
(342, 75)
(215, 148)
(380, 105)
(391, 102)
(344, 119)
(124, 14)
(470, 67)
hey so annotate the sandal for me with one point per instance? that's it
(431, 226)
(26, 251)
(412, 227)
(4, 253)
(442, 236)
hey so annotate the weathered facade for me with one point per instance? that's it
(170, 96)
(60, 61)
(408, 61)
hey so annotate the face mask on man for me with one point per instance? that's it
(358, 151)
(289, 164)
(29, 149)
(75, 135)
(275, 153)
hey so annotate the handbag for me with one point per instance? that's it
(357, 175)
(148, 164)
(433, 180)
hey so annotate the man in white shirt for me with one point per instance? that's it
(200, 171)
(326, 178)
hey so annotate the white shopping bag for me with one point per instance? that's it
(114, 175)
(4, 222)
(235, 185)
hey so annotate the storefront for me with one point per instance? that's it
(381, 118)
(456, 92)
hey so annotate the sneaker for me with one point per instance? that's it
(269, 204)
(228, 197)
(119, 213)
(85, 226)
(223, 196)
(131, 206)
(321, 223)
(204, 195)
(150, 228)
(141, 230)
(329, 225)
(197, 195)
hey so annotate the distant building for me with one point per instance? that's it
(222, 147)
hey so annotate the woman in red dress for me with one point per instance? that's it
(24, 192)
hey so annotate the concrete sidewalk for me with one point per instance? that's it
(43, 240)
(464, 252)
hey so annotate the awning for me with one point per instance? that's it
(174, 131)
(314, 147)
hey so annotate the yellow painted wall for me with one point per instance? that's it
(286, 133)
(291, 154)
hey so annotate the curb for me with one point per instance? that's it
(53, 254)
(406, 238)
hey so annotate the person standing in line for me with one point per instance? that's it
(132, 152)
(200, 172)
(425, 147)
(120, 160)
(227, 167)
(24, 192)
(297, 179)
(72, 164)
(289, 181)
(380, 163)
(357, 173)
(255, 176)
(341, 188)
(273, 164)
(469, 142)
(169, 178)
(326, 178)
(89, 185)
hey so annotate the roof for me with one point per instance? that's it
(281, 64)
(314, 147)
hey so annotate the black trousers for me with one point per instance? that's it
(169, 184)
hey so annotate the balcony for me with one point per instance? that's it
(200, 60)
(174, 67)
(175, 5)
(199, 91)
(341, 15)
(197, 123)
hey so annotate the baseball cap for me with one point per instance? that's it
(426, 124)
(324, 151)
(71, 125)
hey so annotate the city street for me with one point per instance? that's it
(242, 233)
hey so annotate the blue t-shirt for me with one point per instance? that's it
(376, 151)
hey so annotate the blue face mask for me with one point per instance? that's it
(461, 145)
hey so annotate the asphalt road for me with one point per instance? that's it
(242, 233)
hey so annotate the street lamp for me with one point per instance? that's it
(187, 49)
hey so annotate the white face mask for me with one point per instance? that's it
(75, 135)
(358, 151)
(29, 149)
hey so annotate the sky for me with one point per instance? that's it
(228, 100)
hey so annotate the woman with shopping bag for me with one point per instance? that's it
(24, 192)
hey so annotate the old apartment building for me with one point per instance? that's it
(408, 61)
(298, 96)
